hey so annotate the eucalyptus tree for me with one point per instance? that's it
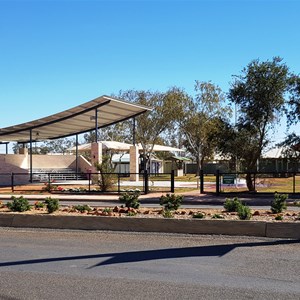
(167, 107)
(202, 119)
(261, 94)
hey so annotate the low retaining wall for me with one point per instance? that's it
(248, 228)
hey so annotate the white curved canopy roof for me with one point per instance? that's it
(73, 121)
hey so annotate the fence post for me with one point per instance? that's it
(201, 182)
(12, 182)
(146, 182)
(89, 176)
(294, 183)
(118, 183)
(172, 181)
(218, 182)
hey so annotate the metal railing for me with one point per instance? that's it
(61, 182)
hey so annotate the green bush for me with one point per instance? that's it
(18, 204)
(107, 210)
(171, 201)
(82, 208)
(38, 205)
(106, 178)
(131, 198)
(198, 215)
(131, 213)
(279, 218)
(232, 205)
(52, 204)
(244, 212)
(279, 203)
(217, 216)
(168, 214)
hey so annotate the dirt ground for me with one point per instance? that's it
(289, 215)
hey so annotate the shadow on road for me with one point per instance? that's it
(139, 256)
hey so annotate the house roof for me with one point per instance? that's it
(101, 112)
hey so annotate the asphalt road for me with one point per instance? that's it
(48, 264)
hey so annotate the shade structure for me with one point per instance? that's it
(100, 112)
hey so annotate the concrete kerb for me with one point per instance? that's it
(193, 226)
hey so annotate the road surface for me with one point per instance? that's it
(65, 264)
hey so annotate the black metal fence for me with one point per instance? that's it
(90, 183)
(260, 182)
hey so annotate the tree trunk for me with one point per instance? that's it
(250, 182)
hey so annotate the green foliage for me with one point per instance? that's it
(131, 198)
(39, 204)
(82, 208)
(244, 212)
(168, 214)
(107, 210)
(131, 213)
(217, 216)
(171, 201)
(18, 204)
(52, 204)
(201, 121)
(279, 218)
(296, 203)
(279, 203)
(198, 215)
(107, 178)
(232, 205)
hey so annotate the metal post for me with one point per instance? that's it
(89, 181)
(30, 157)
(118, 183)
(6, 148)
(146, 180)
(201, 182)
(294, 183)
(172, 181)
(76, 153)
(218, 182)
(96, 125)
(133, 132)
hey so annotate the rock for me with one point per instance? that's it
(183, 212)
(256, 213)
(123, 210)
(116, 209)
(147, 212)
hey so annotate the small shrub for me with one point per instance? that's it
(18, 204)
(232, 205)
(131, 213)
(198, 215)
(107, 210)
(52, 204)
(279, 218)
(38, 205)
(131, 198)
(217, 216)
(82, 208)
(171, 201)
(49, 187)
(106, 178)
(279, 203)
(244, 212)
(168, 214)
(296, 203)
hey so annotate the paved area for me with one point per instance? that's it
(45, 264)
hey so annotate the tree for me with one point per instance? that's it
(202, 119)
(259, 92)
(150, 126)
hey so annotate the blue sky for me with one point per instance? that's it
(57, 54)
